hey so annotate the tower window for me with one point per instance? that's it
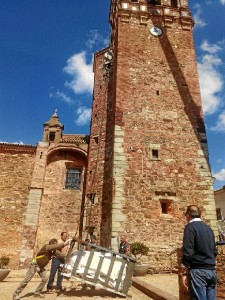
(154, 150)
(174, 3)
(155, 154)
(165, 206)
(73, 179)
(154, 2)
(51, 136)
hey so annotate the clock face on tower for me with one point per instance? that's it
(156, 31)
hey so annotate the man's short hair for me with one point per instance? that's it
(53, 241)
(62, 233)
(193, 211)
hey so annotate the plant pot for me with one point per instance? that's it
(4, 273)
(140, 269)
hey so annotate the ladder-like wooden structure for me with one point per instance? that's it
(100, 267)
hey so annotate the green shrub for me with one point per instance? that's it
(4, 261)
(139, 249)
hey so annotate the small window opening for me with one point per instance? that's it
(95, 137)
(219, 214)
(155, 153)
(154, 2)
(165, 206)
(174, 3)
(73, 179)
(51, 136)
(157, 93)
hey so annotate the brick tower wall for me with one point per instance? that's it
(16, 165)
(99, 174)
(160, 154)
(158, 109)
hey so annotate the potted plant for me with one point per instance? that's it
(138, 250)
(4, 270)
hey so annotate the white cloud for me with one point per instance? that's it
(205, 46)
(211, 80)
(220, 126)
(220, 175)
(84, 116)
(95, 38)
(199, 22)
(83, 77)
(60, 95)
(222, 2)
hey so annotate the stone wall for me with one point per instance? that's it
(159, 148)
(16, 165)
(35, 205)
(221, 273)
(60, 207)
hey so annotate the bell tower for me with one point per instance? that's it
(148, 154)
(53, 129)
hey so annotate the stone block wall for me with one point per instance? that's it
(16, 165)
(221, 273)
(60, 208)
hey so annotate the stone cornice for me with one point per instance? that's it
(17, 148)
(142, 12)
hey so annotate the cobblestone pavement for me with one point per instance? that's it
(74, 291)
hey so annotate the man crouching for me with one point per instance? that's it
(38, 265)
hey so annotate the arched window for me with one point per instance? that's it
(51, 136)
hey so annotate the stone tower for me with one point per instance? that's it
(53, 129)
(148, 154)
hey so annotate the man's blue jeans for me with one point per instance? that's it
(202, 284)
(54, 268)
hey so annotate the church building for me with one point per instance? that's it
(146, 157)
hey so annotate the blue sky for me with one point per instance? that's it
(46, 54)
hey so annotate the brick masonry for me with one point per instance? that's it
(148, 155)
(148, 103)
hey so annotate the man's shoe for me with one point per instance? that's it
(50, 288)
(38, 296)
(16, 297)
(62, 289)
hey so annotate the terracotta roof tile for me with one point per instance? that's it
(74, 138)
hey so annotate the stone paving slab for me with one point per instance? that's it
(163, 284)
(74, 290)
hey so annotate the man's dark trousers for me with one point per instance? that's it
(54, 268)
